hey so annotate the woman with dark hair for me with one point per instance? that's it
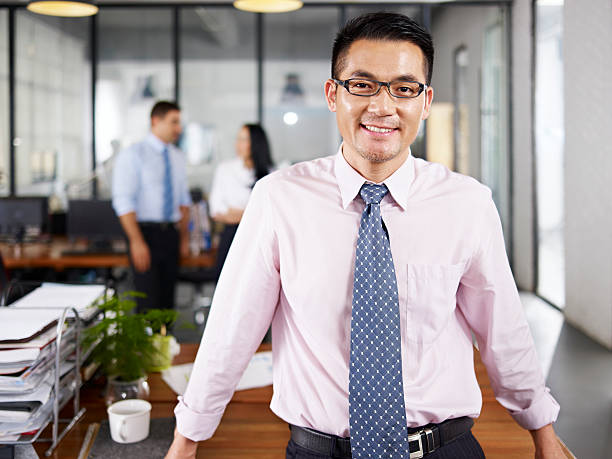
(234, 180)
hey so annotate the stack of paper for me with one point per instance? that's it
(19, 407)
(28, 347)
(41, 402)
(28, 379)
(16, 360)
(52, 295)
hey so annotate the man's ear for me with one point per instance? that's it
(429, 93)
(330, 94)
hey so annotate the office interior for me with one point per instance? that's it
(522, 97)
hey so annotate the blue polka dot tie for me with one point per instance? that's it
(376, 395)
(168, 195)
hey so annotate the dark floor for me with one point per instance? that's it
(580, 378)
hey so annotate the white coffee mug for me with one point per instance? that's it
(129, 420)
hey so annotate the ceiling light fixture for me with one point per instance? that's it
(62, 8)
(268, 6)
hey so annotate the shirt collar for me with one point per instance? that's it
(155, 142)
(350, 181)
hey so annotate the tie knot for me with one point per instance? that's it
(373, 193)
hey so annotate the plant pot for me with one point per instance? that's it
(165, 347)
(117, 390)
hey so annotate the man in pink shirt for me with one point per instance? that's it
(374, 269)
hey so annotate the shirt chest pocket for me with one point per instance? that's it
(430, 299)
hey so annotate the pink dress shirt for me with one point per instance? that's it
(291, 264)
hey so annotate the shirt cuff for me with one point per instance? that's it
(195, 425)
(543, 411)
(123, 206)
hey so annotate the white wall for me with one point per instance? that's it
(588, 167)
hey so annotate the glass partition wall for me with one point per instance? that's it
(52, 104)
(4, 105)
(218, 84)
(549, 143)
(135, 68)
(468, 127)
(297, 56)
(230, 67)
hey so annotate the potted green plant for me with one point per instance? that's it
(159, 320)
(123, 347)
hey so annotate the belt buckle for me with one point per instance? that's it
(416, 454)
(430, 443)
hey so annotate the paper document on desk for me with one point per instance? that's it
(19, 407)
(10, 357)
(39, 418)
(257, 374)
(21, 325)
(37, 342)
(53, 295)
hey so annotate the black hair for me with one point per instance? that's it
(162, 107)
(382, 26)
(260, 150)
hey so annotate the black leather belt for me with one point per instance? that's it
(158, 225)
(421, 440)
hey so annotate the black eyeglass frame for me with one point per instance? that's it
(387, 84)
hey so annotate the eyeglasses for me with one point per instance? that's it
(367, 88)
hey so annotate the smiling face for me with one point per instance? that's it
(377, 131)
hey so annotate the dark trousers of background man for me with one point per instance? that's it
(227, 236)
(158, 283)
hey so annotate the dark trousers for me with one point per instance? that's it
(158, 283)
(227, 236)
(464, 447)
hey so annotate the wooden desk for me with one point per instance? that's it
(49, 255)
(250, 430)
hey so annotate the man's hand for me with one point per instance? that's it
(182, 447)
(546, 443)
(183, 228)
(231, 217)
(139, 250)
(184, 246)
(141, 256)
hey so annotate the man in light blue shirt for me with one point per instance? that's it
(151, 198)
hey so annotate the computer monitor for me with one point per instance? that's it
(23, 217)
(94, 220)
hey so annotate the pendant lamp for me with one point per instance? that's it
(71, 9)
(268, 6)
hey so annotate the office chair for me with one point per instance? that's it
(201, 279)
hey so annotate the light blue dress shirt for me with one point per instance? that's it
(138, 180)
